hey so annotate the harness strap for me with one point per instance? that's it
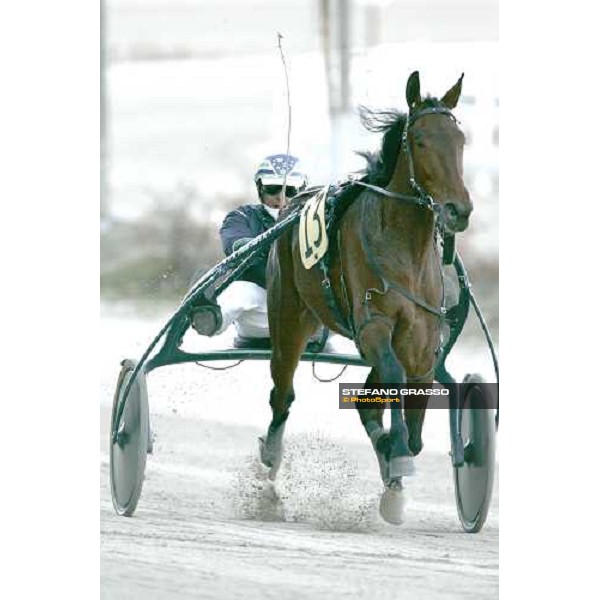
(441, 312)
(351, 322)
(373, 317)
(394, 285)
(437, 110)
(424, 201)
(344, 325)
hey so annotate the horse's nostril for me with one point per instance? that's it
(457, 211)
(456, 216)
(451, 211)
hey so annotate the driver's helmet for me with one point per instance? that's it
(277, 168)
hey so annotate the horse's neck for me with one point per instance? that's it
(407, 227)
(399, 180)
(408, 230)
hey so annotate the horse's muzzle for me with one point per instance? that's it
(456, 216)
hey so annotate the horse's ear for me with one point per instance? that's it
(413, 90)
(451, 97)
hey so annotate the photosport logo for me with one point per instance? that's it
(419, 395)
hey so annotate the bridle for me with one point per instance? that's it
(420, 198)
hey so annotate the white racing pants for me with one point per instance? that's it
(245, 304)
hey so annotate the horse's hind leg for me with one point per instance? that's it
(415, 416)
(290, 326)
(287, 346)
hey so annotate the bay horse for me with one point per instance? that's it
(386, 278)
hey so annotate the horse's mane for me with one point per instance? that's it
(381, 164)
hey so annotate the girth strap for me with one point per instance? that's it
(344, 325)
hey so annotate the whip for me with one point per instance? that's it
(289, 103)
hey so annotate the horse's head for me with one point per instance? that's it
(434, 144)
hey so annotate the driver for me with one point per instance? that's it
(244, 301)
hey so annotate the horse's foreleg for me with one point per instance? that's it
(393, 452)
(376, 345)
(372, 420)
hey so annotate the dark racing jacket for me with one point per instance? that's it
(247, 221)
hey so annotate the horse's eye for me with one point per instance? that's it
(419, 141)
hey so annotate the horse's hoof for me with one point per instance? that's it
(269, 458)
(265, 459)
(401, 466)
(415, 446)
(391, 505)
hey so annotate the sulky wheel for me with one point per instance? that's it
(128, 452)
(474, 480)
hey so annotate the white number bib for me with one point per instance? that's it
(312, 232)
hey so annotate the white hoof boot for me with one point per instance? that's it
(391, 504)
(401, 466)
(269, 460)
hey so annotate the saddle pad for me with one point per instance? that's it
(312, 231)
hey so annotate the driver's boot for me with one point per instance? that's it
(207, 319)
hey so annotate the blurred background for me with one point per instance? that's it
(194, 95)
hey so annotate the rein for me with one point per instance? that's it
(422, 201)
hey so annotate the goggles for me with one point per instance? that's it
(273, 190)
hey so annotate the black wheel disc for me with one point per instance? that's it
(474, 480)
(128, 453)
